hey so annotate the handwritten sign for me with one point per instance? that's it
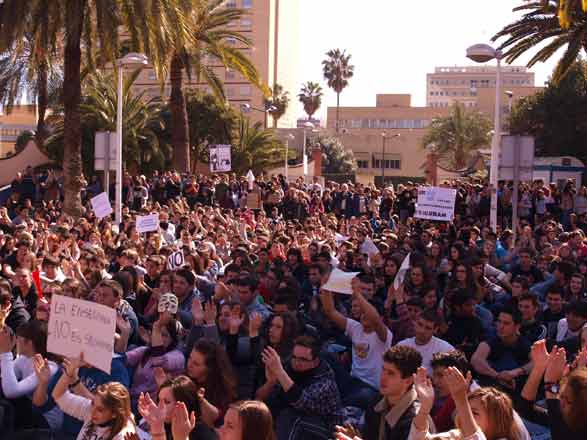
(176, 260)
(101, 205)
(77, 326)
(436, 203)
(147, 223)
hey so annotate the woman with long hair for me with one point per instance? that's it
(247, 420)
(210, 368)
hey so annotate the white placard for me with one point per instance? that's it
(340, 282)
(436, 203)
(220, 160)
(101, 205)
(176, 260)
(147, 223)
(77, 326)
(400, 276)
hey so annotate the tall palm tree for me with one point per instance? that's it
(152, 27)
(213, 43)
(542, 28)
(143, 146)
(277, 102)
(456, 136)
(311, 97)
(31, 69)
(255, 148)
(337, 71)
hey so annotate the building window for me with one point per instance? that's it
(245, 90)
(231, 4)
(151, 75)
(247, 4)
(246, 22)
(230, 92)
(362, 164)
(231, 41)
(230, 75)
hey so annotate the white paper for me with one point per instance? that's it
(340, 282)
(369, 248)
(176, 260)
(250, 179)
(147, 223)
(220, 160)
(77, 326)
(401, 273)
(436, 203)
(101, 205)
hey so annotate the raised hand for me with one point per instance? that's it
(271, 360)
(182, 423)
(197, 312)
(160, 376)
(255, 322)
(7, 340)
(556, 366)
(581, 359)
(424, 389)
(152, 413)
(457, 384)
(236, 320)
(539, 354)
(210, 313)
(72, 366)
(42, 370)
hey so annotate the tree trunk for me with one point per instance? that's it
(337, 112)
(42, 104)
(72, 158)
(179, 118)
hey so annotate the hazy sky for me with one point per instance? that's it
(395, 43)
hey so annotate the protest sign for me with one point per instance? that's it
(77, 326)
(340, 282)
(176, 260)
(147, 223)
(401, 273)
(436, 203)
(220, 160)
(101, 205)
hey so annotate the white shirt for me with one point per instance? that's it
(368, 352)
(435, 345)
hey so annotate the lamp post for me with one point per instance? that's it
(247, 108)
(288, 138)
(127, 60)
(383, 139)
(307, 125)
(482, 53)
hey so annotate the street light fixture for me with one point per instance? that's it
(247, 108)
(129, 59)
(482, 53)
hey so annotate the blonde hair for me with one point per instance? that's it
(499, 411)
(116, 398)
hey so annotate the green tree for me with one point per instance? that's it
(311, 97)
(277, 102)
(144, 147)
(255, 148)
(151, 26)
(556, 116)
(546, 29)
(213, 43)
(337, 71)
(456, 136)
(336, 159)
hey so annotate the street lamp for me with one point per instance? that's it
(482, 53)
(384, 137)
(246, 108)
(288, 138)
(129, 59)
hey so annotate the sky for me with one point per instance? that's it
(395, 43)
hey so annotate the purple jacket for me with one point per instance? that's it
(172, 362)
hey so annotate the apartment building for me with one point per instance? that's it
(273, 26)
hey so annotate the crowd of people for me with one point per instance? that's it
(452, 331)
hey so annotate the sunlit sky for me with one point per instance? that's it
(395, 43)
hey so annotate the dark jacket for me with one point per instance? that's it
(383, 423)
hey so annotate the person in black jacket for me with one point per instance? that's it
(13, 312)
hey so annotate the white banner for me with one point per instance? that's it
(220, 160)
(147, 223)
(101, 205)
(77, 326)
(436, 203)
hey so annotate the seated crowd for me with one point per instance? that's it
(447, 331)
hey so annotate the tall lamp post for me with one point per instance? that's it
(307, 126)
(129, 59)
(288, 138)
(482, 53)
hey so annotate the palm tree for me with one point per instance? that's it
(567, 11)
(213, 43)
(152, 27)
(311, 97)
(255, 148)
(456, 136)
(541, 28)
(143, 146)
(337, 72)
(277, 103)
(336, 159)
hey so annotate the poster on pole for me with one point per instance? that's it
(147, 223)
(78, 326)
(436, 203)
(220, 159)
(101, 205)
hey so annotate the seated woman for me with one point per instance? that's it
(19, 381)
(245, 420)
(158, 418)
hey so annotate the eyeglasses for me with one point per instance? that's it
(301, 360)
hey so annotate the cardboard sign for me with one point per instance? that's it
(176, 260)
(147, 223)
(77, 326)
(101, 205)
(220, 160)
(436, 203)
(340, 282)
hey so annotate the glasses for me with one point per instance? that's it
(301, 360)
